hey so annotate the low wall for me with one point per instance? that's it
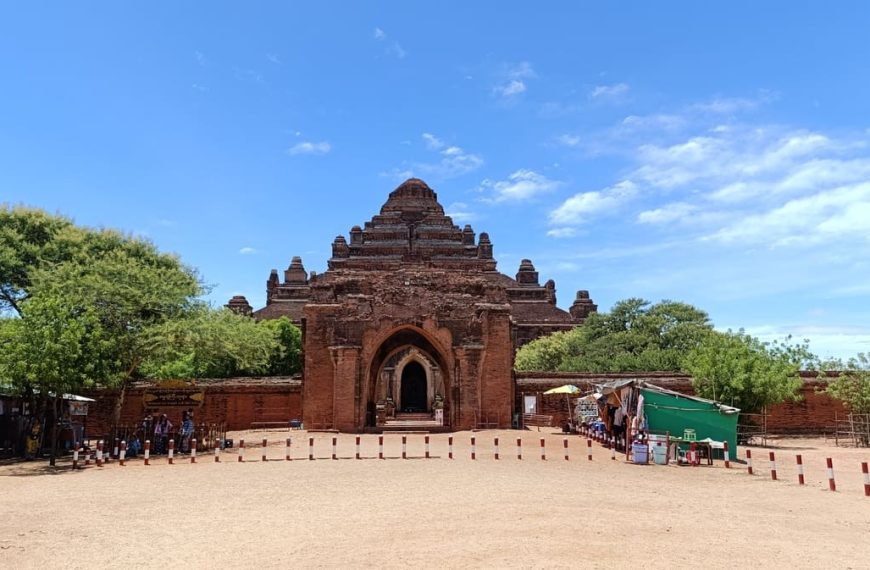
(813, 413)
(237, 402)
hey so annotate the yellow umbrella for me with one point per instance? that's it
(567, 389)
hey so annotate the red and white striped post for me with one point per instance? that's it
(613, 449)
(727, 456)
(170, 452)
(404, 447)
(265, 444)
(543, 450)
(217, 450)
(100, 453)
(123, 453)
(380, 447)
(87, 456)
(519, 449)
(450, 447)
(357, 446)
(832, 485)
(288, 449)
(117, 452)
(772, 466)
(749, 461)
(310, 449)
(193, 450)
(241, 451)
(426, 441)
(147, 452)
(473, 449)
(334, 448)
(76, 456)
(866, 474)
(496, 448)
(565, 445)
(589, 449)
(800, 468)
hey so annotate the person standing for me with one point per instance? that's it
(186, 431)
(161, 433)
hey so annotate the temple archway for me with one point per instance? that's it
(408, 375)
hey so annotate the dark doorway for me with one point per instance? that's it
(413, 388)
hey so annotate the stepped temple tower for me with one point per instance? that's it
(412, 321)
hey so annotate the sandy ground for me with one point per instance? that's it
(437, 512)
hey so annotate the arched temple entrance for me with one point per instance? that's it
(413, 388)
(408, 375)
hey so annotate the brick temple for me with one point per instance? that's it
(412, 323)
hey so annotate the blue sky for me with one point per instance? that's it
(715, 155)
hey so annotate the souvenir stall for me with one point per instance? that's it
(651, 423)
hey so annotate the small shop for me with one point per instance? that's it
(653, 424)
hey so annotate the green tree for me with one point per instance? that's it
(852, 383)
(742, 371)
(209, 343)
(634, 336)
(55, 347)
(286, 358)
(125, 283)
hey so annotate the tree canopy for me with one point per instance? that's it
(852, 383)
(634, 336)
(211, 343)
(742, 371)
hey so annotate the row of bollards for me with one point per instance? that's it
(120, 451)
(829, 470)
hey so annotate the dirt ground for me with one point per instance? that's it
(437, 512)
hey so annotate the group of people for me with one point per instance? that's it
(163, 430)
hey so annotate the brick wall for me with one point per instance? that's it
(814, 413)
(235, 401)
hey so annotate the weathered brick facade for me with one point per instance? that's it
(234, 402)
(411, 315)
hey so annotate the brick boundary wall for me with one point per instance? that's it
(813, 414)
(237, 402)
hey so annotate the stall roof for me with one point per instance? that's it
(9, 393)
(610, 387)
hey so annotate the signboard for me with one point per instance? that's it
(166, 398)
(78, 408)
(587, 408)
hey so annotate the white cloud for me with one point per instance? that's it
(200, 88)
(308, 147)
(513, 80)
(200, 58)
(562, 232)
(568, 140)
(247, 251)
(394, 47)
(520, 186)
(432, 142)
(608, 91)
(454, 161)
(512, 87)
(670, 213)
(397, 50)
(580, 207)
(460, 213)
(273, 58)
(842, 212)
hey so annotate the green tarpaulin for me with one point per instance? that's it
(674, 413)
